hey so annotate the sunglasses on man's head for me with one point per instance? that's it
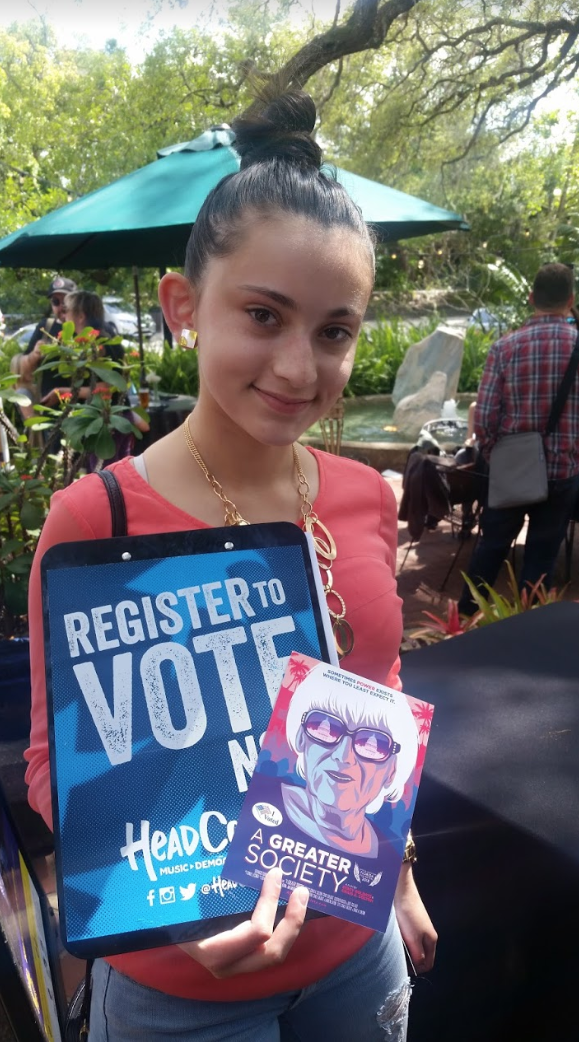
(368, 742)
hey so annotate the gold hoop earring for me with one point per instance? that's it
(188, 339)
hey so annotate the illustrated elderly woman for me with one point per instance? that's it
(354, 751)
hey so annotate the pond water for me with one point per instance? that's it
(372, 421)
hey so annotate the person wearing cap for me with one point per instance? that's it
(51, 325)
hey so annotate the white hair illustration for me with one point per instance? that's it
(357, 709)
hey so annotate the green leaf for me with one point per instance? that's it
(20, 565)
(94, 427)
(11, 546)
(15, 397)
(16, 597)
(122, 424)
(31, 516)
(110, 376)
(7, 499)
(104, 446)
(39, 423)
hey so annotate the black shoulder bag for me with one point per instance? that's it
(517, 464)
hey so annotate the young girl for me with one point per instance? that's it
(278, 274)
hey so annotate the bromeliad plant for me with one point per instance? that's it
(84, 420)
(496, 606)
(492, 607)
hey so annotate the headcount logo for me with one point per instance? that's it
(158, 849)
(153, 618)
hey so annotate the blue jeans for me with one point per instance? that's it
(365, 999)
(547, 524)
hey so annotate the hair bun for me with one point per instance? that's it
(282, 130)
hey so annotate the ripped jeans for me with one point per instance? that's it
(364, 1000)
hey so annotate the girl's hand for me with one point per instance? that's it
(415, 924)
(255, 944)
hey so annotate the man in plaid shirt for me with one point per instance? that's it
(522, 374)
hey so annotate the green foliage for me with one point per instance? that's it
(492, 607)
(24, 501)
(476, 348)
(402, 114)
(28, 480)
(177, 369)
(381, 349)
(379, 353)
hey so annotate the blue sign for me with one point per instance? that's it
(166, 655)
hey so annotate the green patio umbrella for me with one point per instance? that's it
(144, 218)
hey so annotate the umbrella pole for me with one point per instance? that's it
(167, 334)
(139, 327)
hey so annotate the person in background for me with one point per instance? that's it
(24, 365)
(52, 323)
(84, 310)
(278, 274)
(521, 377)
(47, 330)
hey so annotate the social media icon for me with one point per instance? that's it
(151, 897)
(167, 895)
(187, 892)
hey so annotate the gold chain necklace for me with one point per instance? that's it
(324, 544)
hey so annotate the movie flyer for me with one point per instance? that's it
(162, 673)
(333, 792)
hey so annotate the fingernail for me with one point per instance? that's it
(303, 895)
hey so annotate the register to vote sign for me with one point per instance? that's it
(164, 658)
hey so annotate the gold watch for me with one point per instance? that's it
(410, 856)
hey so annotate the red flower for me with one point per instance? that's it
(59, 335)
(26, 477)
(94, 333)
(65, 396)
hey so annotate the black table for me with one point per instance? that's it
(497, 827)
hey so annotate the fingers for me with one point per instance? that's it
(422, 951)
(429, 951)
(265, 910)
(254, 944)
(276, 949)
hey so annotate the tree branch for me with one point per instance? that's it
(365, 29)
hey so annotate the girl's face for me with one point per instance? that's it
(277, 322)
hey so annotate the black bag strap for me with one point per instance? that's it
(564, 389)
(117, 502)
(86, 997)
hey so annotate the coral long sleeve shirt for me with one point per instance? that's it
(359, 509)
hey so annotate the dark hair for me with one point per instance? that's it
(280, 173)
(553, 286)
(88, 304)
(91, 306)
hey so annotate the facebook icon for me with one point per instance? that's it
(151, 897)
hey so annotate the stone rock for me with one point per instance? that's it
(416, 409)
(440, 352)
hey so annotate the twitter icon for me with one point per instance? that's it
(187, 892)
